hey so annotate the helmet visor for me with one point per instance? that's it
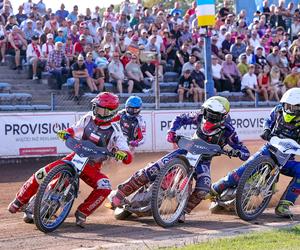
(213, 117)
(104, 112)
(133, 111)
(291, 109)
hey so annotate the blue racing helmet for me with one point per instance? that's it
(133, 105)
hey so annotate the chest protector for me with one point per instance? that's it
(96, 134)
(285, 130)
(129, 125)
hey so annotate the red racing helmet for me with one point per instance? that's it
(105, 106)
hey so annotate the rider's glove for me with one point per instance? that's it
(235, 153)
(171, 137)
(134, 144)
(63, 134)
(120, 155)
(266, 135)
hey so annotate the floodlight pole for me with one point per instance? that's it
(209, 82)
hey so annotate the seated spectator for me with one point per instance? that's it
(276, 82)
(69, 50)
(226, 44)
(219, 80)
(151, 45)
(182, 56)
(117, 75)
(2, 42)
(101, 61)
(135, 75)
(231, 73)
(293, 79)
(238, 48)
(259, 58)
(60, 36)
(121, 47)
(148, 70)
(143, 40)
(78, 47)
(190, 64)
(34, 56)
(198, 79)
(126, 58)
(95, 77)
(48, 46)
(250, 55)
(273, 58)
(17, 45)
(80, 77)
(58, 63)
(28, 30)
(185, 86)
(39, 28)
(249, 82)
(264, 86)
(171, 50)
(242, 65)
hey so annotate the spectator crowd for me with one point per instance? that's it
(258, 56)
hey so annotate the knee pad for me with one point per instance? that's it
(40, 175)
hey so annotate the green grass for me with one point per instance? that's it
(287, 239)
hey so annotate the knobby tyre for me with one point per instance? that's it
(170, 192)
(55, 194)
(255, 188)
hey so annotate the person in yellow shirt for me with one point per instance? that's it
(293, 79)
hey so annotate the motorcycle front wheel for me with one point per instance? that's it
(170, 192)
(55, 198)
(256, 188)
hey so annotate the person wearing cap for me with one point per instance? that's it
(34, 55)
(58, 63)
(143, 40)
(249, 82)
(48, 46)
(284, 62)
(128, 36)
(39, 28)
(28, 30)
(60, 36)
(16, 46)
(93, 25)
(79, 46)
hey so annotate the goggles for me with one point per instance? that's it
(213, 117)
(133, 111)
(291, 109)
(104, 111)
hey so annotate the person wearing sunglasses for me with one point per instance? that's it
(101, 127)
(284, 122)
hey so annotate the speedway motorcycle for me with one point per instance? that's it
(257, 184)
(56, 194)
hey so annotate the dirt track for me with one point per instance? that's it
(102, 230)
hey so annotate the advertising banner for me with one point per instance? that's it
(33, 134)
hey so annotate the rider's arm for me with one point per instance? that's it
(270, 121)
(184, 119)
(140, 137)
(77, 129)
(234, 142)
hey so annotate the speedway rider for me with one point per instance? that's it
(100, 126)
(213, 126)
(284, 122)
(131, 122)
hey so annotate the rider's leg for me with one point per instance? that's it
(202, 188)
(140, 178)
(31, 186)
(232, 178)
(292, 169)
(102, 188)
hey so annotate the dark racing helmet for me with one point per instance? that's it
(215, 111)
(105, 106)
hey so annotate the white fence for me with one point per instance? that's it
(34, 134)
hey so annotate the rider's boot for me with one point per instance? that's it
(222, 203)
(283, 209)
(28, 218)
(15, 206)
(80, 219)
(116, 199)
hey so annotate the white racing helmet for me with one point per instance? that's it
(291, 105)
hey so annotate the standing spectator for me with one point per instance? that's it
(34, 55)
(48, 46)
(176, 11)
(185, 86)
(21, 17)
(61, 14)
(237, 48)
(190, 64)
(198, 80)
(117, 75)
(273, 58)
(249, 82)
(182, 56)
(80, 77)
(41, 7)
(73, 15)
(264, 85)
(58, 63)
(135, 75)
(16, 46)
(231, 73)
(292, 80)
(92, 71)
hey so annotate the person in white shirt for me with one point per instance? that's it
(34, 55)
(217, 74)
(249, 82)
(254, 41)
(48, 46)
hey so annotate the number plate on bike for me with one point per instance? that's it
(79, 162)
